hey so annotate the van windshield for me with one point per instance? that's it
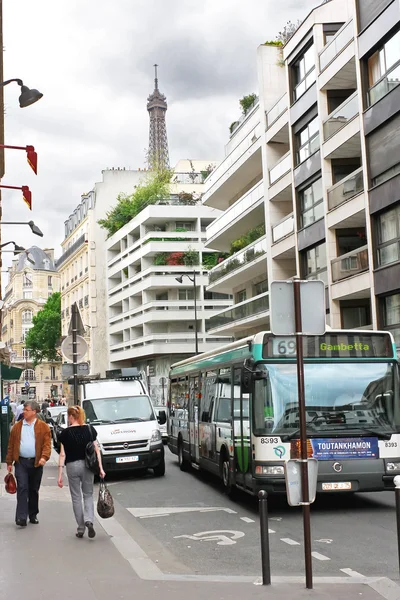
(116, 410)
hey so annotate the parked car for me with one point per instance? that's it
(163, 428)
(59, 423)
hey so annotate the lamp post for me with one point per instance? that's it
(28, 96)
(34, 228)
(193, 280)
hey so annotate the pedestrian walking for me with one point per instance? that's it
(74, 440)
(29, 448)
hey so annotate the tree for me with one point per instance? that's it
(287, 32)
(43, 338)
(247, 102)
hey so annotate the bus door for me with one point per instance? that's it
(207, 416)
(223, 417)
(194, 399)
(242, 439)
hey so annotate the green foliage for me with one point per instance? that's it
(273, 43)
(190, 258)
(160, 259)
(247, 102)
(250, 237)
(232, 126)
(43, 338)
(146, 193)
(209, 169)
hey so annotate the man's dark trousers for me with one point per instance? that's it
(29, 478)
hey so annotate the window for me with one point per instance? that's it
(311, 203)
(28, 375)
(27, 295)
(241, 296)
(224, 406)
(391, 316)
(304, 72)
(386, 175)
(208, 396)
(261, 287)
(307, 140)
(384, 69)
(216, 296)
(27, 280)
(389, 236)
(53, 373)
(46, 264)
(50, 281)
(25, 354)
(188, 225)
(315, 263)
(186, 294)
(355, 316)
(25, 331)
(27, 316)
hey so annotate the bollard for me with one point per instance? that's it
(265, 562)
(396, 481)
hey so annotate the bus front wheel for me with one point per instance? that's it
(226, 474)
(181, 457)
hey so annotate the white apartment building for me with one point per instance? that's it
(320, 153)
(151, 314)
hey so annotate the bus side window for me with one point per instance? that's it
(208, 396)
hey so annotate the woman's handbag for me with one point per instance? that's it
(91, 461)
(11, 484)
(105, 502)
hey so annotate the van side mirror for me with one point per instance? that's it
(162, 417)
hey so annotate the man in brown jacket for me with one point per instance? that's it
(29, 448)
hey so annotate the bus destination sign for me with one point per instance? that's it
(331, 345)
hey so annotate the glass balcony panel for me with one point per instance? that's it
(280, 169)
(277, 110)
(343, 37)
(244, 117)
(237, 260)
(305, 84)
(350, 264)
(249, 308)
(345, 189)
(341, 116)
(384, 86)
(282, 229)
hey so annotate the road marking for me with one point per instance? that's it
(319, 556)
(324, 541)
(290, 542)
(275, 518)
(271, 531)
(352, 573)
(214, 536)
(247, 520)
(146, 513)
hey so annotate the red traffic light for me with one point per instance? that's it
(27, 195)
(32, 158)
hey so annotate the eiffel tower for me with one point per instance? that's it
(158, 142)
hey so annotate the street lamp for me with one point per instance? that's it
(193, 280)
(34, 228)
(28, 96)
(17, 250)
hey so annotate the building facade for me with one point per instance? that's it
(326, 134)
(32, 279)
(156, 267)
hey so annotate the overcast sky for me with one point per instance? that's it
(92, 60)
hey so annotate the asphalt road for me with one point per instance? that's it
(186, 524)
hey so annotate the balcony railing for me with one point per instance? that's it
(282, 229)
(350, 264)
(277, 110)
(244, 310)
(244, 117)
(342, 39)
(236, 210)
(390, 80)
(79, 242)
(280, 169)
(341, 116)
(345, 189)
(247, 255)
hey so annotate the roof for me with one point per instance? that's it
(41, 260)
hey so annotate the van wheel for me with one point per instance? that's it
(182, 462)
(159, 470)
(226, 474)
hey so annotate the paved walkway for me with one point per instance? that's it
(47, 562)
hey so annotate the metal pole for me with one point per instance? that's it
(303, 434)
(2, 163)
(265, 562)
(196, 339)
(75, 350)
(396, 481)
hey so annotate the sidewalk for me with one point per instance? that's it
(47, 562)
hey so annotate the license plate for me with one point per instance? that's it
(337, 485)
(126, 459)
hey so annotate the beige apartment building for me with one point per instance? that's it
(32, 279)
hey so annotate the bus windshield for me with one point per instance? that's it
(340, 397)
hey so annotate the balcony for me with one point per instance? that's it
(342, 131)
(385, 85)
(251, 313)
(350, 264)
(346, 189)
(342, 39)
(341, 116)
(71, 250)
(244, 214)
(277, 110)
(230, 273)
(282, 229)
(244, 117)
(282, 167)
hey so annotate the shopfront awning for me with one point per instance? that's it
(10, 373)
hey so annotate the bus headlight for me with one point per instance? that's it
(273, 470)
(155, 436)
(393, 466)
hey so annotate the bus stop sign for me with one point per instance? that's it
(282, 317)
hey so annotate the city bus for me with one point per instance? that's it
(234, 411)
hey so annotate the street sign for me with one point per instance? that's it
(27, 384)
(82, 348)
(313, 316)
(80, 328)
(67, 369)
(32, 393)
(293, 481)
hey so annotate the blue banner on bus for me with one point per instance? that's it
(335, 448)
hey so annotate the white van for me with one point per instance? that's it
(128, 429)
